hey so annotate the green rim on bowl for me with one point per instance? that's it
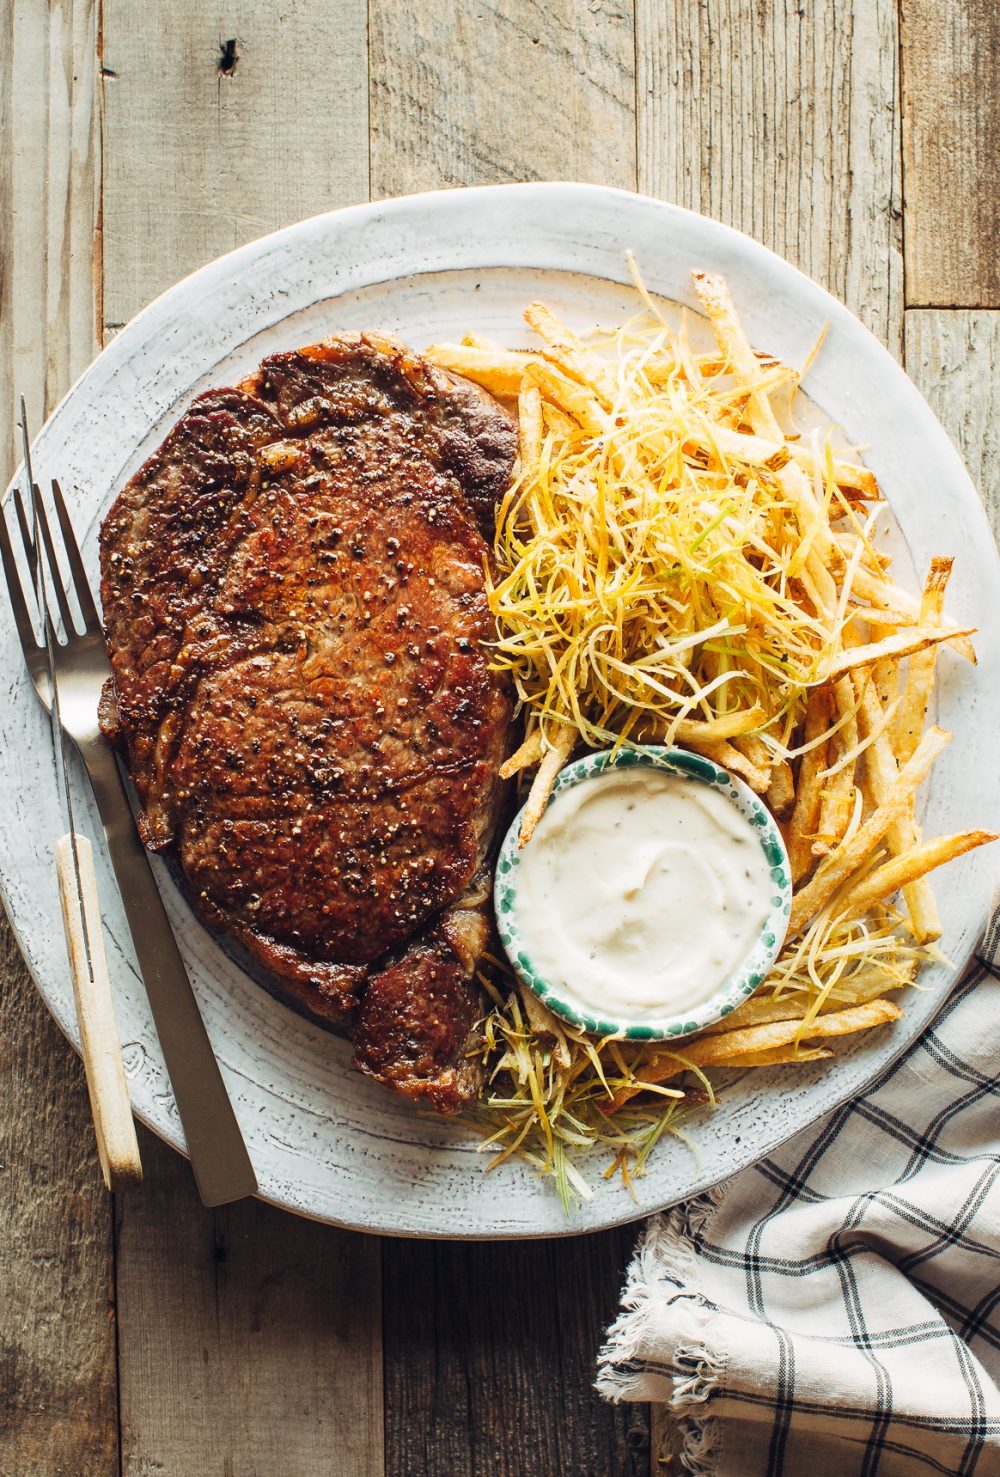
(742, 983)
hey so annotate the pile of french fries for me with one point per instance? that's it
(836, 740)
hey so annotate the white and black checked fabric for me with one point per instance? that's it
(835, 1309)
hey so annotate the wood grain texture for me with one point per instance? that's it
(500, 91)
(57, 1344)
(58, 1409)
(489, 1350)
(489, 1360)
(950, 57)
(955, 359)
(781, 120)
(208, 145)
(51, 232)
(250, 1340)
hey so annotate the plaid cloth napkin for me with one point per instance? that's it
(836, 1308)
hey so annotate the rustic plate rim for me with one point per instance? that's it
(623, 1211)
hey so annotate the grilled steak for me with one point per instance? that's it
(294, 602)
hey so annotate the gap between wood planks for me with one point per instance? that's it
(783, 129)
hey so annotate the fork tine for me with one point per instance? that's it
(53, 563)
(81, 584)
(22, 620)
(27, 537)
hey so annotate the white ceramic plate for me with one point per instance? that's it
(324, 1141)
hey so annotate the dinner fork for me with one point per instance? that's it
(219, 1158)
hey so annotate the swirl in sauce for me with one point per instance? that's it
(640, 893)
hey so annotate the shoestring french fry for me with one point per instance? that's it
(839, 866)
(719, 1050)
(804, 822)
(920, 677)
(901, 870)
(552, 760)
(838, 790)
(498, 370)
(881, 767)
(781, 790)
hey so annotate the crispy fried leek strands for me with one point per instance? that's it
(674, 564)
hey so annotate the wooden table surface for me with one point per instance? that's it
(860, 139)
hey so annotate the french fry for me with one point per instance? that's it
(572, 398)
(726, 726)
(713, 293)
(920, 678)
(842, 863)
(761, 1010)
(724, 753)
(541, 786)
(887, 879)
(707, 1051)
(778, 1056)
(905, 608)
(757, 755)
(688, 731)
(524, 757)
(529, 427)
(882, 773)
(573, 357)
(847, 475)
(808, 795)
(817, 541)
(718, 441)
(498, 370)
(902, 643)
(781, 791)
(838, 789)
(557, 421)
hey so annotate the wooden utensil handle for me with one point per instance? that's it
(95, 1011)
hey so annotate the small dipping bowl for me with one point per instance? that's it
(740, 984)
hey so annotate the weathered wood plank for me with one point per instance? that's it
(489, 1349)
(506, 90)
(210, 144)
(950, 60)
(250, 1339)
(250, 1342)
(781, 120)
(58, 1408)
(489, 1360)
(50, 230)
(955, 359)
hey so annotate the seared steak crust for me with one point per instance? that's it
(294, 602)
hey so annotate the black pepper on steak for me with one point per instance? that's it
(293, 591)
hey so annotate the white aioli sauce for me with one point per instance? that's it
(640, 892)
